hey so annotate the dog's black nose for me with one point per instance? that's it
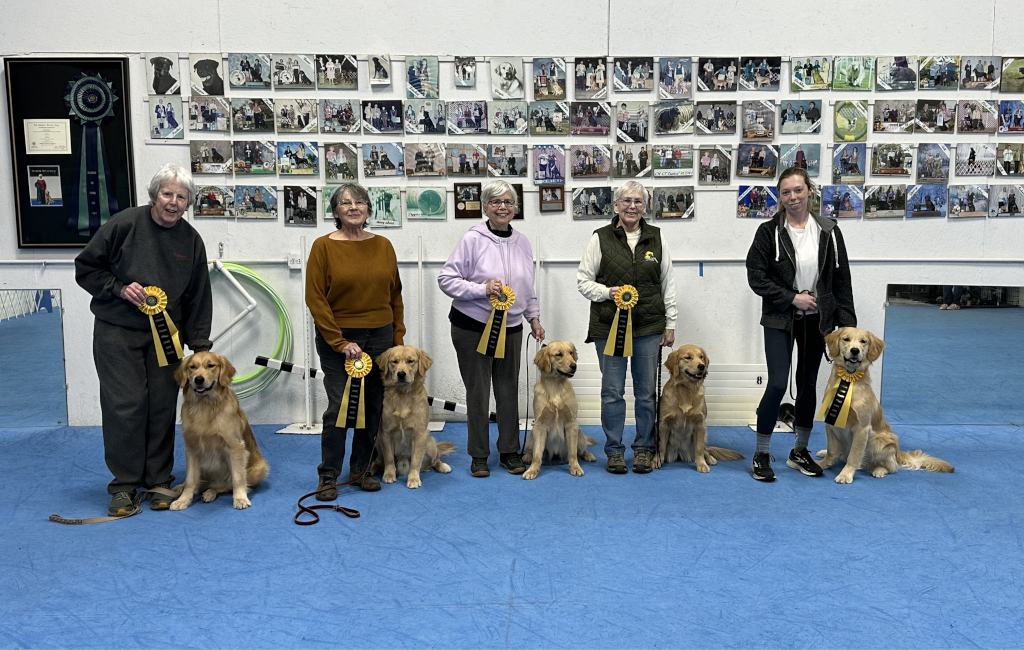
(701, 367)
(401, 375)
(855, 351)
(199, 380)
(572, 368)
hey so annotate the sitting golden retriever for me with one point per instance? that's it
(683, 431)
(555, 430)
(404, 445)
(867, 442)
(220, 449)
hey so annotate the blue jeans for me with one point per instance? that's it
(644, 366)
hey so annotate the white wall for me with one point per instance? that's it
(717, 310)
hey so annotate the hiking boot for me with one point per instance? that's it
(762, 467)
(800, 459)
(367, 483)
(617, 464)
(513, 462)
(326, 489)
(121, 504)
(642, 461)
(479, 468)
(159, 501)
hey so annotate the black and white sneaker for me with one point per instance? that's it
(762, 467)
(800, 459)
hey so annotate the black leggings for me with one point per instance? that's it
(778, 350)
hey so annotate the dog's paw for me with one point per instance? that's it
(241, 503)
(821, 454)
(845, 477)
(444, 468)
(180, 504)
(710, 460)
(656, 462)
(576, 471)
(587, 456)
(879, 472)
(413, 482)
(209, 495)
(389, 476)
(703, 468)
(530, 474)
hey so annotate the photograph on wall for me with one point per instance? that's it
(341, 162)
(673, 117)
(980, 72)
(591, 78)
(252, 115)
(339, 116)
(975, 159)
(426, 203)
(632, 121)
(467, 201)
(851, 121)
(297, 115)
(716, 74)
(44, 186)
(293, 70)
(935, 116)
(756, 202)
(675, 77)
(885, 201)
(210, 156)
(939, 73)
(1011, 115)
(673, 202)
(896, 73)
(255, 202)
(299, 205)
(506, 117)
(853, 73)
(894, 116)
(162, 74)
(206, 73)
(549, 118)
(424, 159)
(422, 77)
(255, 157)
(633, 74)
(387, 207)
(380, 69)
(592, 202)
(672, 160)
(549, 79)
(1009, 159)
(521, 200)
(801, 155)
(466, 159)
(590, 160)
(425, 116)
(165, 117)
(465, 72)
(209, 114)
(383, 159)
(590, 118)
(326, 194)
(1006, 200)
(715, 117)
(800, 117)
(548, 164)
(891, 159)
(298, 158)
(382, 116)
(214, 201)
(932, 163)
(849, 161)
(810, 73)
(715, 164)
(507, 77)
(507, 160)
(842, 201)
(756, 161)
(337, 72)
(1013, 75)
(467, 117)
(760, 72)
(926, 201)
(551, 198)
(976, 116)
(248, 71)
(968, 201)
(631, 161)
(758, 120)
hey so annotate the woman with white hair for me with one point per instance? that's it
(142, 247)
(491, 264)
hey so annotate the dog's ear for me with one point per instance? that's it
(877, 345)
(572, 349)
(227, 371)
(707, 359)
(832, 342)
(181, 374)
(383, 361)
(672, 363)
(424, 361)
(543, 360)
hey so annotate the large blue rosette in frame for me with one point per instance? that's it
(91, 100)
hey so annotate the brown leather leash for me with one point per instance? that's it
(136, 509)
(351, 513)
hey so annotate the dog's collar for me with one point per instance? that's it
(847, 376)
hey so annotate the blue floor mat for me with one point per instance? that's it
(32, 371)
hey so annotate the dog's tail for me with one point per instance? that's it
(258, 468)
(590, 441)
(920, 460)
(721, 453)
(445, 448)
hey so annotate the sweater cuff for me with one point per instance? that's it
(116, 287)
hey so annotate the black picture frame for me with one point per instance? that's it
(36, 89)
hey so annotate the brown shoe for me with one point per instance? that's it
(367, 483)
(326, 489)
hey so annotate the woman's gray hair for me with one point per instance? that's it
(630, 187)
(171, 173)
(356, 192)
(497, 188)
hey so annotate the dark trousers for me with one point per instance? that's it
(951, 294)
(138, 400)
(478, 373)
(373, 342)
(778, 350)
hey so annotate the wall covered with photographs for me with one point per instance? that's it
(273, 115)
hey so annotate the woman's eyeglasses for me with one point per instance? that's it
(497, 203)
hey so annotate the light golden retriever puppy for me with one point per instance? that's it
(867, 442)
(683, 430)
(404, 445)
(220, 449)
(555, 430)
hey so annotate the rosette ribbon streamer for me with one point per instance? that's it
(620, 338)
(835, 408)
(91, 99)
(492, 343)
(165, 334)
(353, 405)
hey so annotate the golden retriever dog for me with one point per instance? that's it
(555, 430)
(404, 445)
(867, 443)
(220, 449)
(682, 426)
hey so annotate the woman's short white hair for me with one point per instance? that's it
(497, 188)
(631, 187)
(171, 173)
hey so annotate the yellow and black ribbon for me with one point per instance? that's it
(620, 339)
(353, 409)
(492, 343)
(835, 408)
(165, 334)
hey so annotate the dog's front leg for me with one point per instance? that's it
(387, 448)
(856, 455)
(239, 458)
(572, 437)
(419, 447)
(664, 433)
(191, 484)
(700, 443)
(832, 448)
(539, 436)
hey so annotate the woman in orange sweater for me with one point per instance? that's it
(354, 293)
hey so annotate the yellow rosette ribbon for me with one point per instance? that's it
(165, 334)
(835, 408)
(620, 338)
(353, 406)
(492, 343)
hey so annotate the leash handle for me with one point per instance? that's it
(351, 513)
(136, 509)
